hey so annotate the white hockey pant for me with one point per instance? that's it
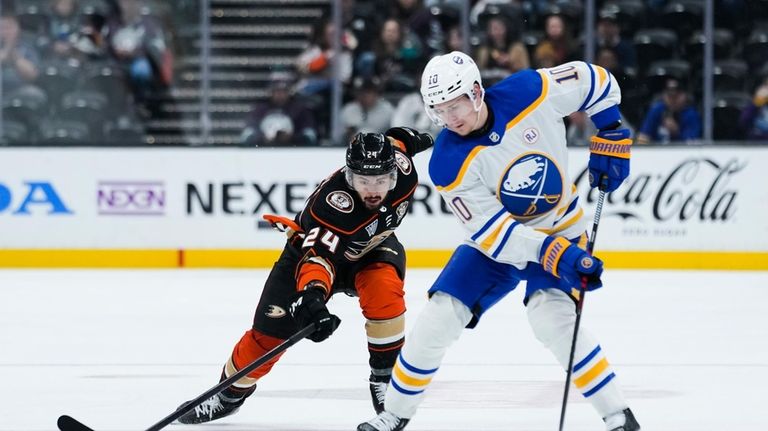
(439, 324)
(552, 316)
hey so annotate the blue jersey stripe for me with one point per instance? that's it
(599, 385)
(413, 369)
(488, 224)
(504, 240)
(404, 391)
(589, 357)
(591, 86)
(602, 96)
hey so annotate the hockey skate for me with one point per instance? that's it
(385, 421)
(622, 421)
(215, 407)
(378, 387)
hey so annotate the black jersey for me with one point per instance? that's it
(337, 225)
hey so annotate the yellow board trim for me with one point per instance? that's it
(417, 258)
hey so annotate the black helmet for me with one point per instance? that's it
(370, 154)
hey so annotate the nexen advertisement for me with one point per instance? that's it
(689, 198)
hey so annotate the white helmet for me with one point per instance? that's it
(447, 77)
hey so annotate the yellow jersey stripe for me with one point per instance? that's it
(490, 239)
(463, 170)
(593, 372)
(408, 380)
(532, 106)
(601, 75)
(563, 226)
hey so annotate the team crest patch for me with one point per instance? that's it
(531, 135)
(403, 163)
(341, 200)
(494, 137)
(401, 210)
(275, 312)
(531, 186)
(371, 228)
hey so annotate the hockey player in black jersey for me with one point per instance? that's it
(342, 241)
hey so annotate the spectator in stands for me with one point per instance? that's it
(557, 46)
(609, 36)
(369, 112)
(673, 118)
(416, 18)
(19, 60)
(315, 62)
(397, 53)
(609, 59)
(410, 113)
(454, 41)
(138, 43)
(502, 49)
(73, 35)
(282, 120)
(63, 26)
(754, 117)
(580, 129)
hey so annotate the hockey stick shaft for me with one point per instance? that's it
(67, 423)
(579, 305)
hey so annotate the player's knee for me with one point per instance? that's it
(380, 292)
(442, 320)
(387, 331)
(551, 314)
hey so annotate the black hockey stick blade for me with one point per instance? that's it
(68, 423)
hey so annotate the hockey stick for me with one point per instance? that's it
(68, 423)
(579, 305)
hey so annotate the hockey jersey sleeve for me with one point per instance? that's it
(580, 86)
(490, 227)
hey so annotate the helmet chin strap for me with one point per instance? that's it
(478, 111)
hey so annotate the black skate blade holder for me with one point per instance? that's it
(68, 423)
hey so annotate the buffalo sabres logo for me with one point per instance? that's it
(275, 312)
(403, 163)
(458, 60)
(531, 186)
(340, 200)
(494, 137)
(401, 210)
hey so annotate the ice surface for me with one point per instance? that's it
(120, 350)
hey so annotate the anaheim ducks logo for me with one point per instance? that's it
(341, 200)
(275, 312)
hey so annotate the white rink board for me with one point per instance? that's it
(690, 198)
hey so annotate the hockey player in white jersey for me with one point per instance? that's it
(500, 164)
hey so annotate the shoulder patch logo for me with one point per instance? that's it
(341, 200)
(531, 135)
(371, 228)
(401, 210)
(275, 312)
(494, 137)
(403, 163)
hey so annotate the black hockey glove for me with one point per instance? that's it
(308, 307)
(414, 141)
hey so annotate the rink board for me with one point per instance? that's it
(684, 207)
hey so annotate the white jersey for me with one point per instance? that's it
(508, 182)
